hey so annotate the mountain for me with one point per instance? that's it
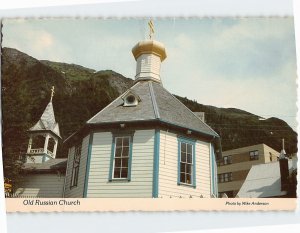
(239, 128)
(81, 92)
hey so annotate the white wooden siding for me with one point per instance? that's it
(141, 167)
(41, 185)
(77, 191)
(168, 169)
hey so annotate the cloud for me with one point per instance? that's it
(44, 40)
(37, 42)
(247, 63)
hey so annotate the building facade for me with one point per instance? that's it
(43, 175)
(145, 143)
(235, 164)
(274, 179)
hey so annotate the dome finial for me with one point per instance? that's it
(151, 29)
(149, 55)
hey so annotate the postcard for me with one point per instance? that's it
(150, 114)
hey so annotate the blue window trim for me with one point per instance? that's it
(44, 158)
(156, 164)
(111, 159)
(112, 156)
(79, 146)
(215, 172)
(193, 143)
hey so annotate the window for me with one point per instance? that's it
(75, 169)
(227, 160)
(254, 155)
(131, 99)
(121, 155)
(225, 177)
(186, 162)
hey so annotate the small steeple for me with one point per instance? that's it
(48, 128)
(47, 120)
(284, 169)
(149, 55)
(282, 152)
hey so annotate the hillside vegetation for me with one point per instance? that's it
(81, 92)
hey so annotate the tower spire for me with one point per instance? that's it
(48, 128)
(282, 153)
(52, 93)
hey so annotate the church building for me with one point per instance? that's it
(145, 144)
(43, 175)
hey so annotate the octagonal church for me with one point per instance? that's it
(146, 143)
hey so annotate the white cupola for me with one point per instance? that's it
(43, 136)
(148, 55)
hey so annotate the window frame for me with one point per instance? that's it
(76, 166)
(255, 156)
(115, 136)
(221, 162)
(191, 142)
(225, 177)
(228, 160)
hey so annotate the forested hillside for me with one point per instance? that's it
(81, 92)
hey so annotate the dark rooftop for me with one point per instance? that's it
(52, 164)
(155, 103)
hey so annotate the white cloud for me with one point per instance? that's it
(34, 41)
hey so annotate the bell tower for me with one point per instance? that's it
(43, 136)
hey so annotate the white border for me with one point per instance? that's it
(151, 222)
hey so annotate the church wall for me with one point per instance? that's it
(77, 191)
(168, 169)
(140, 184)
(41, 185)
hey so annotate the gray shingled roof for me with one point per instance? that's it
(51, 164)
(263, 180)
(155, 103)
(47, 121)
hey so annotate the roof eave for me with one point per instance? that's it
(89, 126)
(43, 131)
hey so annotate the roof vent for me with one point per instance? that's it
(131, 99)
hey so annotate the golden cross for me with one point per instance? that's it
(151, 28)
(52, 93)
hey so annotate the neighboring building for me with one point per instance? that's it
(275, 179)
(45, 179)
(145, 143)
(43, 174)
(235, 164)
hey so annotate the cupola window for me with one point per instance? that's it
(131, 99)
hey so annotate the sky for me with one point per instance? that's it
(245, 63)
